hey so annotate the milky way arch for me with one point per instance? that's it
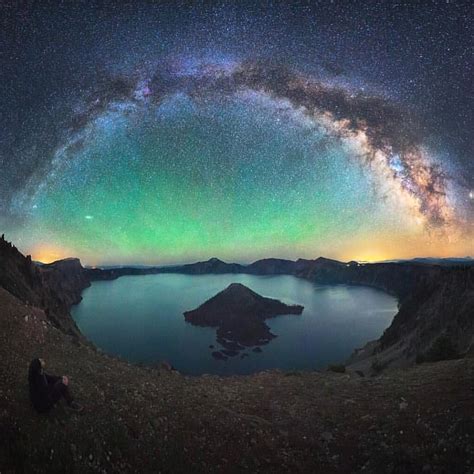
(387, 139)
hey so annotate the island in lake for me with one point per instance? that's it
(239, 315)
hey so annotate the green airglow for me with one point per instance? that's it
(186, 181)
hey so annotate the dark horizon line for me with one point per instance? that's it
(141, 265)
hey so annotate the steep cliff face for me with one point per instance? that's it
(434, 301)
(53, 287)
(442, 305)
(67, 278)
(19, 275)
(398, 279)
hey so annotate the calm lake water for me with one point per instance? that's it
(140, 318)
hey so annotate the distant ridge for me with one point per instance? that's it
(268, 265)
(447, 261)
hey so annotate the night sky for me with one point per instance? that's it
(167, 132)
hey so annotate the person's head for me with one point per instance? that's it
(36, 367)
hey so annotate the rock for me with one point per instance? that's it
(218, 355)
(256, 349)
(229, 345)
(54, 287)
(229, 353)
(165, 365)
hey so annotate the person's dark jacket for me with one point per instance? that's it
(41, 385)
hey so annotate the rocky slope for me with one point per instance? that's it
(53, 288)
(147, 420)
(434, 302)
(139, 419)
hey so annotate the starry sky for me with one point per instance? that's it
(169, 132)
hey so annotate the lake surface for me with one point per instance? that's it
(140, 318)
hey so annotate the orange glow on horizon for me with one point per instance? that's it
(377, 247)
(48, 254)
(388, 247)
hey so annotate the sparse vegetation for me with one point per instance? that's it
(441, 349)
(293, 373)
(339, 368)
(376, 366)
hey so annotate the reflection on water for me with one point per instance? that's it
(141, 319)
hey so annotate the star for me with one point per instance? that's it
(238, 131)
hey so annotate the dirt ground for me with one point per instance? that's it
(137, 419)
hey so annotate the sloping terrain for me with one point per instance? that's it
(54, 288)
(150, 420)
(139, 419)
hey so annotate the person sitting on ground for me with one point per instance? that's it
(46, 390)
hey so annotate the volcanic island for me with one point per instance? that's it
(239, 315)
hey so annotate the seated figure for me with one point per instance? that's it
(46, 390)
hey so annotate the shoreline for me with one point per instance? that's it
(341, 361)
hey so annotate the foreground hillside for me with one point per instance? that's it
(150, 420)
(139, 419)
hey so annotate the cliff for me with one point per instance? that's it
(66, 278)
(434, 301)
(213, 265)
(271, 266)
(54, 287)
